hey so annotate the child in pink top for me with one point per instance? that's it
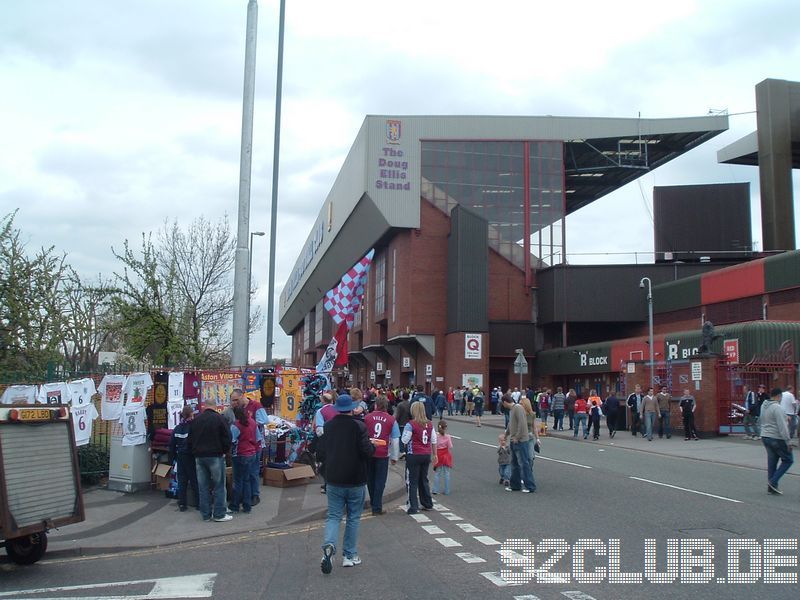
(444, 444)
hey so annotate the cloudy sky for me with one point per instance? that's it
(118, 115)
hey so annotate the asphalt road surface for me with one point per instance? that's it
(602, 504)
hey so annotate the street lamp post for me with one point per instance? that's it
(649, 323)
(250, 287)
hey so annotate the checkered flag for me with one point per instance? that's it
(344, 300)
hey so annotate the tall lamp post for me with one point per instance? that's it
(649, 322)
(250, 287)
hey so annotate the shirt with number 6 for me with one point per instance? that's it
(419, 438)
(83, 417)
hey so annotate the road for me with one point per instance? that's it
(585, 492)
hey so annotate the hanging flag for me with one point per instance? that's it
(344, 300)
(341, 303)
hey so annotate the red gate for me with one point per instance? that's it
(772, 369)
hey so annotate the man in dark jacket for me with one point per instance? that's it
(610, 410)
(346, 449)
(179, 452)
(209, 440)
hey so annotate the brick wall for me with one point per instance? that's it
(509, 298)
(706, 415)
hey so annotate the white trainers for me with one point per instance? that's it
(351, 562)
(223, 519)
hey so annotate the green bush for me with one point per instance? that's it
(92, 463)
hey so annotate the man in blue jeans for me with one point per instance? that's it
(209, 440)
(775, 437)
(521, 468)
(345, 448)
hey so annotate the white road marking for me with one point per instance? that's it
(448, 542)
(486, 540)
(577, 595)
(421, 518)
(468, 528)
(497, 580)
(510, 555)
(526, 597)
(451, 516)
(455, 437)
(439, 507)
(675, 487)
(468, 557)
(482, 444)
(433, 529)
(563, 462)
(189, 586)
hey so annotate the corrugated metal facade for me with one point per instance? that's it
(505, 337)
(757, 339)
(467, 272)
(782, 271)
(676, 295)
(605, 293)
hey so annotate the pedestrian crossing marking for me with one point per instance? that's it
(511, 555)
(468, 528)
(448, 542)
(433, 529)
(421, 518)
(468, 557)
(439, 507)
(486, 540)
(496, 579)
(451, 516)
(577, 595)
(526, 597)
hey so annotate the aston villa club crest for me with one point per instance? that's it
(393, 131)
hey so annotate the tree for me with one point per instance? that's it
(201, 261)
(145, 304)
(174, 297)
(31, 304)
(88, 322)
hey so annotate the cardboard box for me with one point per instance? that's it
(299, 475)
(162, 475)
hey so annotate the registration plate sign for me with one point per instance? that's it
(35, 414)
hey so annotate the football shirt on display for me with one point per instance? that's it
(53, 393)
(19, 394)
(81, 391)
(174, 408)
(132, 420)
(111, 390)
(136, 387)
(83, 417)
(175, 386)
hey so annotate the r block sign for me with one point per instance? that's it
(731, 349)
(472, 345)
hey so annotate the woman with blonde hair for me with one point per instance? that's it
(420, 439)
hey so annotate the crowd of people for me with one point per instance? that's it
(360, 433)
(199, 446)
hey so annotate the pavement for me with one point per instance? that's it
(731, 450)
(117, 521)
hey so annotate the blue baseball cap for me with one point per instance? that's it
(344, 403)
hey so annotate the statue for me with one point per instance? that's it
(708, 338)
